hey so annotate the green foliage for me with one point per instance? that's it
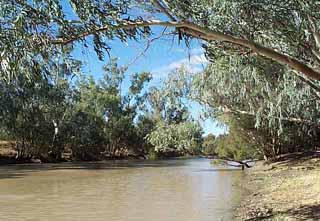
(174, 132)
(42, 108)
(29, 112)
(4, 134)
(182, 137)
(116, 113)
(209, 145)
(237, 144)
(167, 104)
(281, 108)
(286, 26)
(234, 147)
(85, 132)
(37, 37)
(145, 125)
(92, 119)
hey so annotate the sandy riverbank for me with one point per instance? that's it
(285, 190)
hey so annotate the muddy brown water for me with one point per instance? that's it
(168, 190)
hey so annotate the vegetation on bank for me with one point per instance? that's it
(93, 120)
(262, 79)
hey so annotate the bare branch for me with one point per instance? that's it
(241, 163)
(149, 42)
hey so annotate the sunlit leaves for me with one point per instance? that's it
(181, 137)
(29, 30)
(277, 103)
(282, 25)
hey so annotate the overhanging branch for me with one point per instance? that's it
(227, 110)
(197, 31)
(123, 25)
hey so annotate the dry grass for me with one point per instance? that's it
(285, 190)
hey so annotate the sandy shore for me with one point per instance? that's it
(285, 190)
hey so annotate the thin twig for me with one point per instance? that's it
(149, 42)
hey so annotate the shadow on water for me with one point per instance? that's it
(11, 175)
(219, 170)
(20, 170)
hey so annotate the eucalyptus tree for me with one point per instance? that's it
(33, 112)
(276, 109)
(166, 103)
(242, 142)
(165, 106)
(110, 114)
(286, 32)
(175, 132)
(120, 126)
(37, 33)
(249, 43)
(209, 145)
(37, 37)
(181, 138)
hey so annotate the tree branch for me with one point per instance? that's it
(197, 31)
(315, 89)
(241, 163)
(148, 44)
(227, 110)
(123, 25)
(288, 119)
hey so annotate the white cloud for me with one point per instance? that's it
(198, 50)
(194, 60)
(194, 63)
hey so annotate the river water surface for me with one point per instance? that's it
(170, 190)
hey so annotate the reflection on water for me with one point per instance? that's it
(162, 190)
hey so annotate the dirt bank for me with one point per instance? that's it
(288, 189)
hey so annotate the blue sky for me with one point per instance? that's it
(164, 55)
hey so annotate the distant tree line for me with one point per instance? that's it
(88, 119)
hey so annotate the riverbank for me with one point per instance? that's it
(8, 156)
(288, 189)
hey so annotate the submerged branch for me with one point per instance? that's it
(243, 164)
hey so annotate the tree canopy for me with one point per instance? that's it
(263, 73)
(38, 33)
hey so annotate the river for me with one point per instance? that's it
(168, 190)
